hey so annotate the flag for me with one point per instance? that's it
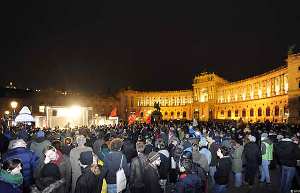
(114, 112)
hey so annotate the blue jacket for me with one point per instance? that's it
(28, 159)
(190, 183)
(8, 188)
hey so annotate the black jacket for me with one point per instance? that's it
(213, 149)
(111, 165)
(151, 178)
(129, 150)
(288, 153)
(223, 171)
(252, 155)
(137, 172)
(88, 182)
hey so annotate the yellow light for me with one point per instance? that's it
(74, 111)
(14, 104)
(6, 112)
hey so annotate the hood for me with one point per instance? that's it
(14, 180)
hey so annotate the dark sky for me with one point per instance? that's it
(150, 46)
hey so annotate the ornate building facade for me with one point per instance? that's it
(273, 96)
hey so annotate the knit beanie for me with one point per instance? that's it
(51, 170)
(86, 158)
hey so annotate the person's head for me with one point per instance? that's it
(50, 170)
(185, 165)
(116, 144)
(222, 151)
(50, 154)
(154, 158)
(17, 143)
(80, 140)
(87, 158)
(40, 134)
(252, 138)
(140, 147)
(13, 166)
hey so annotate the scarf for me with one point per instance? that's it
(14, 180)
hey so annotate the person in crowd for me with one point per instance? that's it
(88, 182)
(67, 146)
(128, 149)
(223, 171)
(188, 181)
(39, 144)
(252, 160)
(50, 180)
(237, 163)
(18, 150)
(151, 176)
(104, 152)
(74, 158)
(288, 153)
(213, 148)
(165, 165)
(267, 157)
(53, 155)
(97, 146)
(138, 163)
(11, 178)
(112, 163)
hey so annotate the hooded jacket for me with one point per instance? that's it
(29, 161)
(288, 153)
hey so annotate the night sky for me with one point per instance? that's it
(147, 46)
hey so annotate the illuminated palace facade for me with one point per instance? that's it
(273, 96)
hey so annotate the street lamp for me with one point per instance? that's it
(13, 105)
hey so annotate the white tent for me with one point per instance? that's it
(24, 116)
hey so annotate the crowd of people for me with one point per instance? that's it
(182, 157)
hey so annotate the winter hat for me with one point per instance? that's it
(264, 136)
(17, 143)
(51, 170)
(251, 138)
(86, 158)
(203, 142)
(40, 134)
(153, 156)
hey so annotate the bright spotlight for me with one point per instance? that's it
(74, 111)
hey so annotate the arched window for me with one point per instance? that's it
(244, 113)
(166, 113)
(286, 110)
(251, 112)
(276, 110)
(184, 114)
(172, 113)
(178, 114)
(222, 113)
(259, 112)
(229, 113)
(236, 113)
(142, 114)
(268, 111)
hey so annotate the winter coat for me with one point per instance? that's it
(74, 159)
(237, 163)
(38, 146)
(48, 185)
(111, 165)
(97, 146)
(188, 183)
(137, 171)
(10, 183)
(151, 178)
(200, 160)
(287, 153)
(252, 155)
(88, 182)
(28, 159)
(223, 171)
(213, 149)
(8, 188)
(165, 165)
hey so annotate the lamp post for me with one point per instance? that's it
(14, 105)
